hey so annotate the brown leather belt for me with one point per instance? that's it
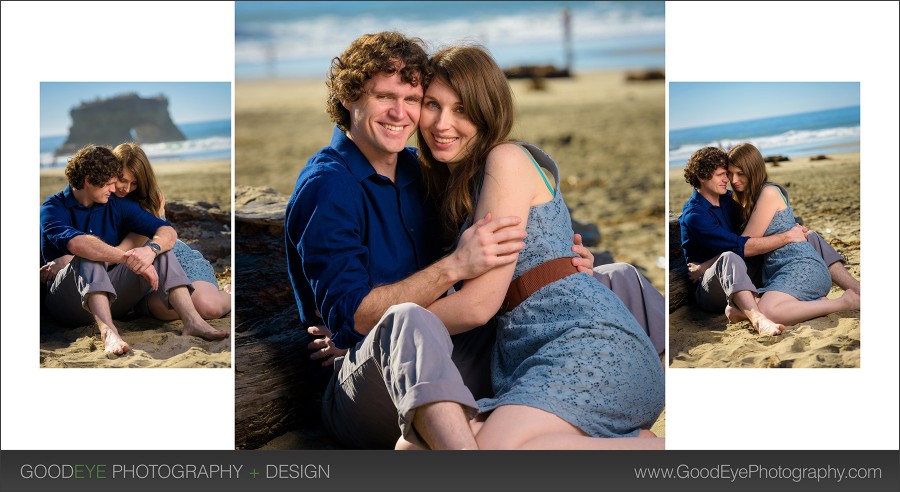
(531, 281)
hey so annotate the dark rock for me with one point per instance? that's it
(111, 122)
(819, 157)
(590, 233)
(536, 71)
(645, 75)
(202, 226)
(776, 158)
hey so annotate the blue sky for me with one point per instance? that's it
(693, 104)
(188, 101)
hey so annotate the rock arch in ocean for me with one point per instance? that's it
(123, 118)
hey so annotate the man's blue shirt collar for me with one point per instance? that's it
(361, 169)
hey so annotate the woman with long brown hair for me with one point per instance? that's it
(795, 277)
(138, 183)
(570, 364)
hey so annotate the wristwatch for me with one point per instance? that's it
(155, 247)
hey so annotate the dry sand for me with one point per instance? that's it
(606, 134)
(825, 194)
(154, 343)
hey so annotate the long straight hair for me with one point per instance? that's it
(748, 159)
(488, 103)
(133, 158)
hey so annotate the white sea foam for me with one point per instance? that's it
(770, 144)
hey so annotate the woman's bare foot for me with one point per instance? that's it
(646, 433)
(765, 326)
(113, 345)
(203, 330)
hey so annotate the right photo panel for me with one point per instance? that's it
(764, 224)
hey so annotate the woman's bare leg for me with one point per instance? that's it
(209, 301)
(786, 309)
(523, 427)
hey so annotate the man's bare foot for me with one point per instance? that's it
(734, 314)
(646, 433)
(113, 345)
(203, 330)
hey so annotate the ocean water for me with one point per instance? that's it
(795, 135)
(299, 39)
(205, 140)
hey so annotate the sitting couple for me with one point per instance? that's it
(104, 255)
(722, 230)
(377, 233)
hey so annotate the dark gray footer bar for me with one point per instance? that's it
(373, 471)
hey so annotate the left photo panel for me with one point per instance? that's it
(135, 217)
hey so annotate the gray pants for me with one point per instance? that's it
(66, 299)
(731, 273)
(402, 364)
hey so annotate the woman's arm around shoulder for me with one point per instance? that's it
(508, 189)
(769, 202)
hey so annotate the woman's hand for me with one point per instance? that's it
(585, 260)
(323, 348)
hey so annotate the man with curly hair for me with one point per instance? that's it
(88, 278)
(363, 256)
(718, 257)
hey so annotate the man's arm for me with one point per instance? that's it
(762, 245)
(326, 226)
(484, 246)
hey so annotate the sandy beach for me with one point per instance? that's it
(825, 194)
(606, 134)
(154, 343)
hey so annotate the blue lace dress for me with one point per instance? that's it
(572, 348)
(194, 264)
(795, 269)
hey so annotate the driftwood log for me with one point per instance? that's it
(681, 290)
(273, 394)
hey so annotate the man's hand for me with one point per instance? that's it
(695, 272)
(488, 244)
(585, 260)
(140, 261)
(47, 272)
(796, 234)
(323, 348)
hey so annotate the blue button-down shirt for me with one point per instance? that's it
(63, 218)
(349, 229)
(708, 230)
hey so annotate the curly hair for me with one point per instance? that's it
(369, 55)
(95, 163)
(703, 164)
